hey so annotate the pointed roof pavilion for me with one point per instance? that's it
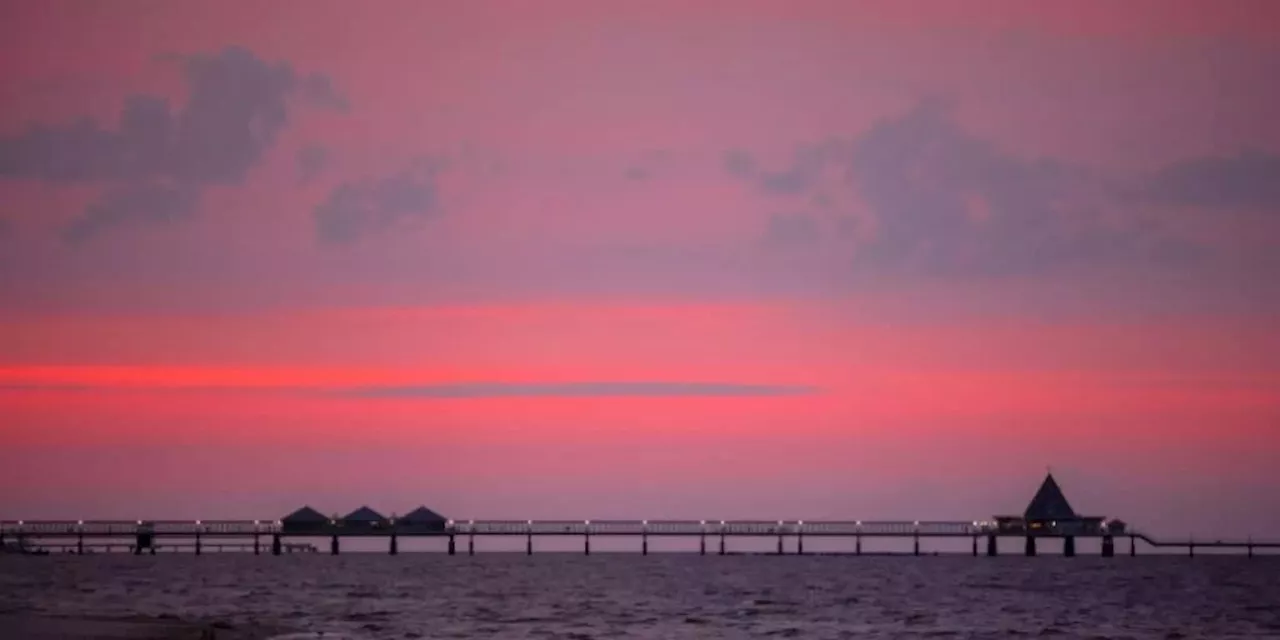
(305, 515)
(364, 514)
(422, 515)
(1049, 503)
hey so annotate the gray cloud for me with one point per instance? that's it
(236, 107)
(311, 160)
(1250, 179)
(580, 390)
(946, 202)
(651, 389)
(354, 210)
(792, 230)
(132, 204)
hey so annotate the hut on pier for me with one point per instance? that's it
(1049, 513)
(422, 520)
(305, 520)
(365, 519)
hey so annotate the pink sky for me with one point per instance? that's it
(641, 259)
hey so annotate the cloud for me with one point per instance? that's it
(580, 390)
(356, 209)
(946, 202)
(133, 204)
(311, 160)
(650, 389)
(1248, 180)
(237, 104)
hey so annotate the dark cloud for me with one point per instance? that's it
(133, 204)
(237, 104)
(356, 209)
(795, 230)
(311, 160)
(946, 202)
(1248, 180)
(740, 163)
(580, 390)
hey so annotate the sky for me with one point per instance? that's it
(576, 259)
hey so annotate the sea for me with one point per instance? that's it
(675, 595)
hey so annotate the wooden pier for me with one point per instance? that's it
(1048, 516)
(262, 537)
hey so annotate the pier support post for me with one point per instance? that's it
(453, 549)
(1249, 546)
(257, 545)
(1133, 546)
(586, 544)
(1191, 549)
(80, 544)
(780, 549)
(528, 544)
(857, 548)
(702, 544)
(993, 549)
(1069, 546)
(197, 543)
(1109, 547)
(975, 546)
(800, 543)
(915, 547)
(276, 545)
(471, 544)
(721, 543)
(1031, 546)
(333, 545)
(395, 545)
(644, 545)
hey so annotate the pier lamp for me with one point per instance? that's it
(800, 523)
(858, 523)
(704, 523)
(722, 523)
(79, 523)
(586, 522)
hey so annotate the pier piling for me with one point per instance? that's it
(992, 549)
(257, 545)
(915, 547)
(1133, 546)
(857, 545)
(1109, 547)
(1069, 546)
(528, 544)
(333, 545)
(453, 549)
(471, 544)
(276, 546)
(975, 546)
(721, 542)
(1031, 546)
(394, 547)
(197, 542)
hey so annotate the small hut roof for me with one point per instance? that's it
(305, 515)
(1049, 503)
(422, 514)
(364, 514)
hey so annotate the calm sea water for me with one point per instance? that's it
(669, 596)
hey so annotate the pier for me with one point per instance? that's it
(1048, 516)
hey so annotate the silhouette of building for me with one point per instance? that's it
(422, 520)
(304, 520)
(1049, 513)
(364, 519)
